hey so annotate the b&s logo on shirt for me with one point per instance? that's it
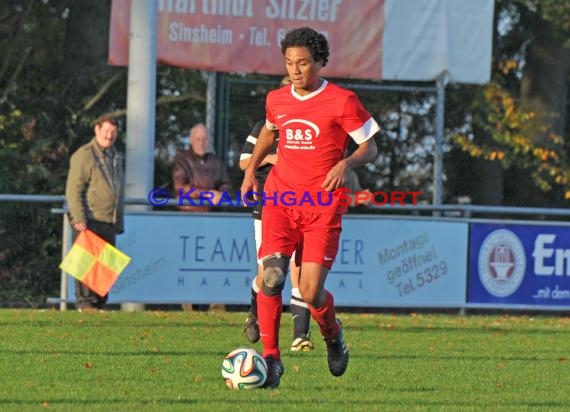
(502, 263)
(299, 134)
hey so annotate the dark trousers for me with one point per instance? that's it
(85, 297)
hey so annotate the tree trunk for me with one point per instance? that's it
(486, 177)
(544, 86)
(487, 182)
(544, 91)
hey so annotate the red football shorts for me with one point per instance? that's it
(315, 236)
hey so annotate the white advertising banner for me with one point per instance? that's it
(210, 258)
(424, 39)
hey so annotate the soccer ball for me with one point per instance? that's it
(244, 368)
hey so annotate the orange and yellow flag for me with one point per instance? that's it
(94, 262)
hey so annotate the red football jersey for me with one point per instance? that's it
(313, 131)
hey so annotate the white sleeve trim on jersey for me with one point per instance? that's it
(244, 156)
(270, 126)
(251, 139)
(365, 132)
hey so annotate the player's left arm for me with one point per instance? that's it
(366, 152)
(363, 129)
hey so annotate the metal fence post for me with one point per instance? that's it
(439, 132)
(65, 246)
(211, 112)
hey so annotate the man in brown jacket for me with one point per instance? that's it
(200, 172)
(95, 196)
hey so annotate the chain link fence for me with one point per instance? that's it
(406, 144)
(30, 252)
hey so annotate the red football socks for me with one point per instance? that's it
(325, 316)
(269, 310)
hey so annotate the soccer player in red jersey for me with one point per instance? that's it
(313, 118)
(299, 311)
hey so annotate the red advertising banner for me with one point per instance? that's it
(244, 36)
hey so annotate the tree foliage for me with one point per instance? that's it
(54, 82)
(519, 119)
(511, 131)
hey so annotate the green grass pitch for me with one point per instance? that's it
(170, 361)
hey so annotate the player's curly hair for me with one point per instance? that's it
(309, 38)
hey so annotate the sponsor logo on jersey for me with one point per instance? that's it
(300, 133)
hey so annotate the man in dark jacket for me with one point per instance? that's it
(200, 172)
(95, 196)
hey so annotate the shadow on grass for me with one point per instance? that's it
(114, 404)
(273, 402)
(91, 352)
(289, 358)
(473, 330)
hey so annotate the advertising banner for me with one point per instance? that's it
(210, 258)
(245, 35)
(408, 40)
(400, 263)
(519, 265)
(426, 38)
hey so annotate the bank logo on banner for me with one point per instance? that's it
(502, 263)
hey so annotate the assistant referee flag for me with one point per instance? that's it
(94, 262)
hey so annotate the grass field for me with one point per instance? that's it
(170, 361)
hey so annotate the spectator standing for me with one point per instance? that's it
(95, 192)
